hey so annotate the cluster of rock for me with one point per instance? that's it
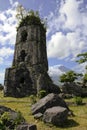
(51, 109)
(26, 127)
(73, 89)
(9, 120)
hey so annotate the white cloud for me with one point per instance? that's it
(6, 52)
(63, 46)
(1, 60)
(68, 28)
(11, 2)
(70, 9)
(67, 16)
(56, 71)
(2, 17)
(58, 46)
(80, 68)
(8, 25)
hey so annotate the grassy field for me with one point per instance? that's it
(77, 122)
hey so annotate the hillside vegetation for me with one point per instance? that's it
(77, 122)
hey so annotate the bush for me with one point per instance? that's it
(6, 123)
(1, 87)
(41, 93)
(19, 119)
(31, 20)
(33, 99)
(78, 100)
(4, 119)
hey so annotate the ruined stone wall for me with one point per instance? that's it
(34, 46)
(28, 73)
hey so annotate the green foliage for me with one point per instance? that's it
(70, 76)
(32, 99)
(83, 58)
(21, 12)
(63, 78)
(41, 93)
(2, 126)
(13, 66)
(31, 17)
(4, 119)
(1, 87)
(6, 123)
(78, 100)
(19, 119)
(5, 116)
(85, 78)
(31, 20)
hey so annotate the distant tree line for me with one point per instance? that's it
(71, 76)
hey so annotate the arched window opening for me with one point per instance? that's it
(22, 80)
(23, 55)
(24, 36)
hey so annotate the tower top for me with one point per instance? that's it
(32, 18)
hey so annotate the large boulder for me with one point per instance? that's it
(48, 101)
(72, 88)
(11, 118)
(54, 89)
(55, 115)
(12, 113)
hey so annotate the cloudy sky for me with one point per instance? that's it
(66, 31)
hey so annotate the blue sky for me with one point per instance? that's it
(66, 31)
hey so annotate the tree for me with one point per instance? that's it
(69, 77)
(21, 12)
(85, 79)
(34, 13)
(83, 58)
(25, 17)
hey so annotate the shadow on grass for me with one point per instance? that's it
(69, 123)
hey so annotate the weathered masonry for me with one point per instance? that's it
(28, 73)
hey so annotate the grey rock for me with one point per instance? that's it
(48, 101)
(55, 115)
(84, 93)
(38, 116)
(67, 96)
(72, 88)
(12, 117)
(6, 109)
(26, 127)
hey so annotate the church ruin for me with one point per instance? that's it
(28, 73)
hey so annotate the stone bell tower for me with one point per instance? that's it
(28, 73)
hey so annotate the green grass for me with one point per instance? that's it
(77, 122)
